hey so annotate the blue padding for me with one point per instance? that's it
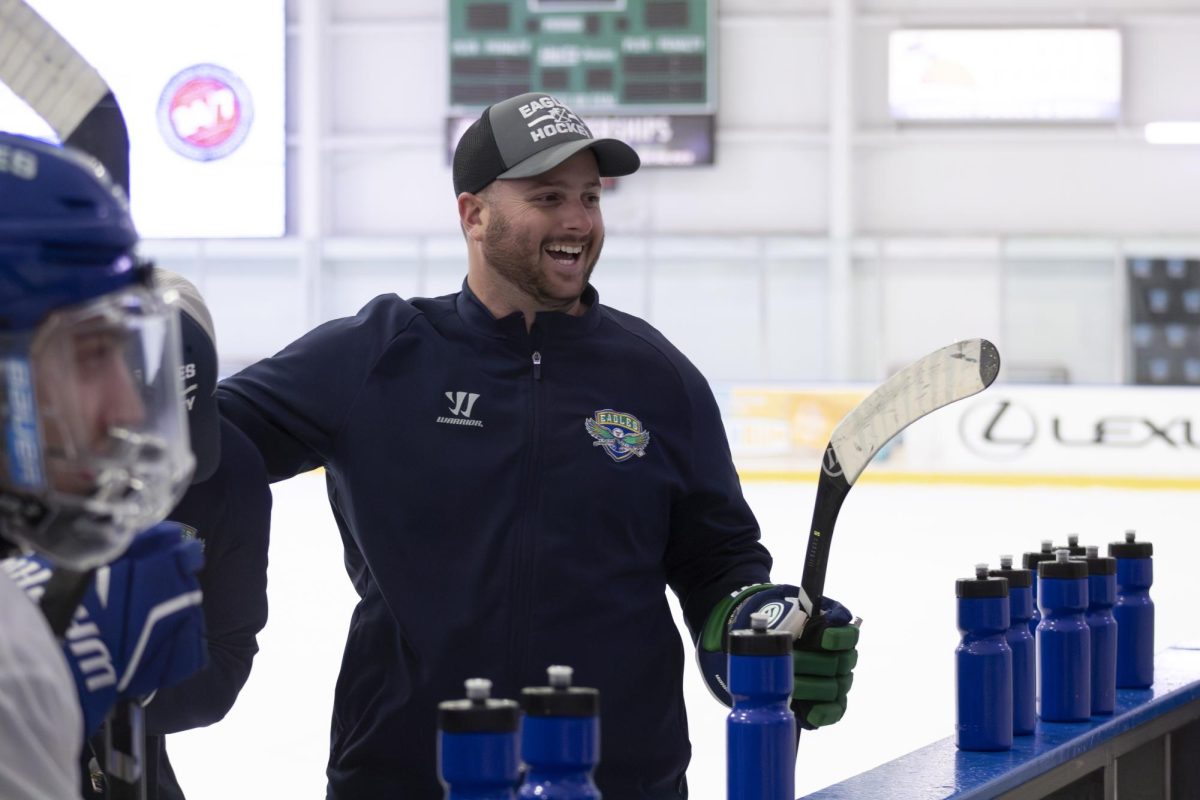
(941, 771)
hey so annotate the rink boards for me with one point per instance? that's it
(1147, 749)
(1010, 435)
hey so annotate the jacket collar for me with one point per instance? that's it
(552, 323)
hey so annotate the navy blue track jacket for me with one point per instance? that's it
(496, 522)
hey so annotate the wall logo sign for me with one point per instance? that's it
(998, 429)
(1002, 428)
(205, 112)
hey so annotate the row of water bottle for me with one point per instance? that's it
(555, 731)
(1053, 639)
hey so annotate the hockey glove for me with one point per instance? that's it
(824, 656)
(139, 626)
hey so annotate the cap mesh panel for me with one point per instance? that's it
(477, 159)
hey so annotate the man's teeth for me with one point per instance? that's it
(566, 248)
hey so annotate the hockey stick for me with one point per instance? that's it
(939, 379)
(43, 69)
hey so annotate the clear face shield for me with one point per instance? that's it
(96, 437)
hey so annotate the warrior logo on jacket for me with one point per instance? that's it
(620, 434)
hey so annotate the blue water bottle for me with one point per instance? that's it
(560, 739)
(1030, 562)
(983, 664)
(1102, 627)
(1020, 641)
(1134, 612)
(760, 731)
(477, 745)
(1064, 642)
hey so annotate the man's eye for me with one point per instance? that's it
(92, 351)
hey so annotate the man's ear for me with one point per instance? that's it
(472, 213)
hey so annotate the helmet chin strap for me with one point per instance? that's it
(74, 536)
(65, 588)
(8, 547)
(19, 512)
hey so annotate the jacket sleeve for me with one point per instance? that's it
(231, 513)
(293, 404)
(714, 546)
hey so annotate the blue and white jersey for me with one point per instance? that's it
(41, 724)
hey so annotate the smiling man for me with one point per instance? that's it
(518, 472)
(534, 241)
(527, 175)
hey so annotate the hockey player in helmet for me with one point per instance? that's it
(95, 434)
(94, 452)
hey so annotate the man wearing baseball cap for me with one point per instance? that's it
(531, 153)
(518, 472)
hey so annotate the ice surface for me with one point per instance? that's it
(897, 550)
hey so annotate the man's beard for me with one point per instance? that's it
(519, 263)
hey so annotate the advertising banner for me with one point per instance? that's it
(1116, 435)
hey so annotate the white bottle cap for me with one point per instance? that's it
(478, 688)
(559, 676)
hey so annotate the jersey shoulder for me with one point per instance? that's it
(641, 334)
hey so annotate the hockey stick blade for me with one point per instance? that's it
(44, 70)
(939, 379)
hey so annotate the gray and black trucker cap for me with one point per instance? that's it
(527, 135)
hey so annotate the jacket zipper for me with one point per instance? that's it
(523, 571)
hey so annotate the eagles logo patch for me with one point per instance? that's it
(620, 434)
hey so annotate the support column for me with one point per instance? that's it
(313, 93)
(840, 346)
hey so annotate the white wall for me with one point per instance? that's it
(1015, 232)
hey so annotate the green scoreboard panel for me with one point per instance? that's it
(607, 56)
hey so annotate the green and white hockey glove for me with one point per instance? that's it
(823, 659)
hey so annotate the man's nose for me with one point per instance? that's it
(123, 405)
(577, 216)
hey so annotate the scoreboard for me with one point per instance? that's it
(607, 56)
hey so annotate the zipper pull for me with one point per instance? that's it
(537, 365)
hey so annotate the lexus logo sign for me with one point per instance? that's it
(998, 428)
